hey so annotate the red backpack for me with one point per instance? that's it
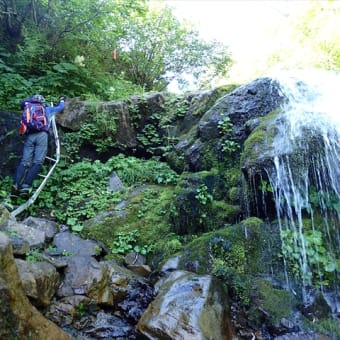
(33, 117)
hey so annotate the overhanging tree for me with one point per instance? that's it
(41, 40)
(57, 46)
(156, 48)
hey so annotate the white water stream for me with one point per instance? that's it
(306, 175)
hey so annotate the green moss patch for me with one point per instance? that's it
(260, 139)
(146, 211)
(270, 303)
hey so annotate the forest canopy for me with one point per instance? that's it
(99, 49)
(110, 49)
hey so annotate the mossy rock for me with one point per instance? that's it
(206, 248)
(4, 215)
(329, 327)
(176, 160)
(260, 141)
(209, 155)
(270, 303)
(222, 213)
(145, 211)
(191, 214)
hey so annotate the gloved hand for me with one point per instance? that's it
(62, 99)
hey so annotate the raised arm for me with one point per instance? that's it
(52, 110)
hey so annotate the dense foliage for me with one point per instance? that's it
(78, 192)
(98, 49)
(308, 39)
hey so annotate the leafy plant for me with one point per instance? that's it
(229, 147)
(77, 192)
(324, 199)
(81, 309)
(33, 255)
(127, 241)
(150, 136)
(132, 170)
(203, 195)
(225, 127)
(175, 108)
(265, 186)
(309, 244)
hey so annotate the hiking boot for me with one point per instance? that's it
(15, 190)
(25, 191)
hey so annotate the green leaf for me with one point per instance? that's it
(77, 228)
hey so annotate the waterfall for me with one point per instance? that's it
(305, 177)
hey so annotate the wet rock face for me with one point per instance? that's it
(187, 306)
(108, 326)
(138, 297)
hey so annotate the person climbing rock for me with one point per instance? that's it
(35, 123)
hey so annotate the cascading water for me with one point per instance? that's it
(305, 178)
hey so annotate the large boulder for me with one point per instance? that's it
(188, 306)
(34, 236)
(70, 244)
(129, 113)
(242, 106)
(18, 318)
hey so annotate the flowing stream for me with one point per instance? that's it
(305, 179)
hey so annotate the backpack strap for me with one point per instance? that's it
(28, 112)
(44, 112)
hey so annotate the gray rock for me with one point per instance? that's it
(35, 237)
(134, 258)
(115, 184)
(85, 276)
(44, 225)
(171, 264)
(71, 244)
(20, 246)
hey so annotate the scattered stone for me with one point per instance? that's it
(85, 276)
(142, 270)
(134, 258)
(70, 244)
(46, 226)
(18, 317)
(115, 184)
(40, 280)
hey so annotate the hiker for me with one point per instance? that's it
(36, 141)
